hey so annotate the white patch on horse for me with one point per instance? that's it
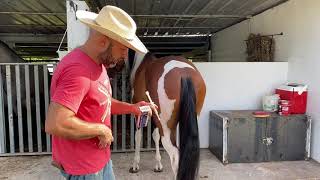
(156, 139)
(167, 106)
(136, 160)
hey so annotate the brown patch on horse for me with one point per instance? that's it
(172, 88)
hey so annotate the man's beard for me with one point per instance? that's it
(107, 59)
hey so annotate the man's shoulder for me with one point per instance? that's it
(74, 57)
(74, 61)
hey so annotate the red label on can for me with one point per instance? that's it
(284, 107)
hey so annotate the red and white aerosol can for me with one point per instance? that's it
(284, 107)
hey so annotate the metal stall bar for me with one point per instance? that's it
(54, 67)
(10, 110)
(141, 142)
(25, 154)
(37, 94)
(2, 118)
(123, 97)
(115, 131)
(18, 93)
(46, 101)
(29, 120)
(132, 120)
(149, 135)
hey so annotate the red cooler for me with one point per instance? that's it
(296, 94)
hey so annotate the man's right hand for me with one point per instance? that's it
(106, 138)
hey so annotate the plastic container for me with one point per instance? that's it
(270, 103)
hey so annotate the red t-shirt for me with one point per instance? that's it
(83, 86)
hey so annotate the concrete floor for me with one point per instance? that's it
(38, 167)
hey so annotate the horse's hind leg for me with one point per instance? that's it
(156, 139)
(135, 167)
(172, 151)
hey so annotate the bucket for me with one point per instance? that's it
(270, 103)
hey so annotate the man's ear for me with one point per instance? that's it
(105, 42)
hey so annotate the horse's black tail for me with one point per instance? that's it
(188, 130)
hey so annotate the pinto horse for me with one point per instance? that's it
(177, 88)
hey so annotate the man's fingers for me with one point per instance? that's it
(106, 139)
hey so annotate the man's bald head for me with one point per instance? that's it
(106, 50)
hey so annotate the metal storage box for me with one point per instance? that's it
(237, 136)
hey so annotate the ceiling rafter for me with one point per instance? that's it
(178, 16)
(33, 13)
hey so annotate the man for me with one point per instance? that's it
(81, 102)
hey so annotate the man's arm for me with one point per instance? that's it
(62, 122)
(119, 107)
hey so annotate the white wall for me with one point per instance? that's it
(237, 86)
(303, 56)
(299, 21)
(229, 45)
(77, 31)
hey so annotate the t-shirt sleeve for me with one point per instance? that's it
(71, 87)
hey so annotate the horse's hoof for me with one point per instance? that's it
(131, 170)
(157, 170)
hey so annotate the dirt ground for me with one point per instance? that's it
(38, 167)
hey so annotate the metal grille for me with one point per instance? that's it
(24, 97)
(24, 100)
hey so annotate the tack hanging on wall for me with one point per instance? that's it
(271, 35)
(260, 48)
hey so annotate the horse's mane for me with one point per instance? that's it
(140, 59)
(149, 56)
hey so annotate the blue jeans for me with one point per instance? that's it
(104, 174)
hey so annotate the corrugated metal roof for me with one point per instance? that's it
(187, 16)
(32, 16)
(172, 16)
(153, 17)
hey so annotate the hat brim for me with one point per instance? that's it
(88, 18)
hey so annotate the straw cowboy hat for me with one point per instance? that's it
(114, 23)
